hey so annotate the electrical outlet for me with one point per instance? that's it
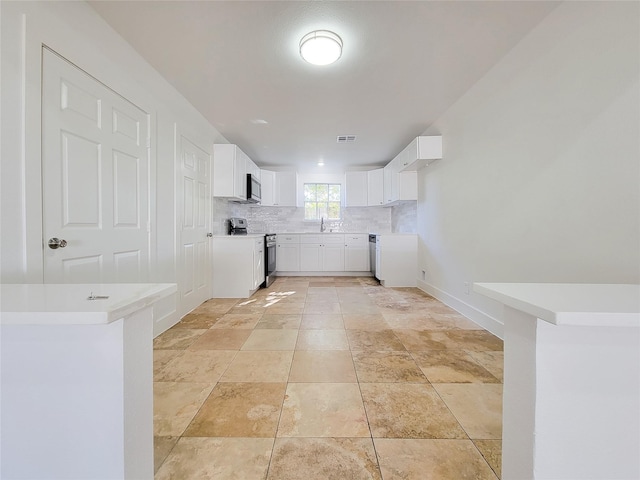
(466, 287)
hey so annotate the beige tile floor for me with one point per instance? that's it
(327, 378)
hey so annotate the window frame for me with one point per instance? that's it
(326, 203)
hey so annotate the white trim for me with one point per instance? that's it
(323, 274)
(482, 319)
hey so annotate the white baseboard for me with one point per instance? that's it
(472, 313)
(323, 274)
(165, 314)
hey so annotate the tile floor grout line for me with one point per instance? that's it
(366, 413)
(201, 405)
(398, 298)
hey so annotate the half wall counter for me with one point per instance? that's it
(77, 380)
(571, 380)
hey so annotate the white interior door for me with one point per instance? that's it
(95, 179)
(194, 209)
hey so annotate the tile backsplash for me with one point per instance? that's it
(398, 219)
(404, 217)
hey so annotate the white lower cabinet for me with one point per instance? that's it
(238, 265)
(396, 260)
(258, 262)
(333, 257)
(310, 257)
(322, 253)
(356, 253)
(326, 252)
(288, 253)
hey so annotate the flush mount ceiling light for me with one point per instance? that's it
(321, 47)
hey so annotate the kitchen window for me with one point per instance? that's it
(322, 200)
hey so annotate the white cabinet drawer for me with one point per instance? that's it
(310, 238)
(356, 239)
(323, 238)
(284, 238)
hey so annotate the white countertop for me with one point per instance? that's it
(394, 234)
(65, 304)
(248, 235)
(606, 305)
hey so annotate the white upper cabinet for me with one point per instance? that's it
(278, 188)
(419, 153)
(400, 177)
(286, 189)
(407, 186)
(388, 177)
(397, 181)
(268, 184)
(375, 187)
(229, 172)
(399, 186)
(253, 169)
(356, 189)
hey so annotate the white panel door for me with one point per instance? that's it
(194, 207)
(95, 179)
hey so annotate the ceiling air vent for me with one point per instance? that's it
(346, 138)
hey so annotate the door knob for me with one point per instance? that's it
(57, 243)
(209, 234)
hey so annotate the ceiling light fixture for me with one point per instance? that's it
(321, 47)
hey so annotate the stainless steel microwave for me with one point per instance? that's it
(253, 189)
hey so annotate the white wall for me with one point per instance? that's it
(541, 169)
(76, 32)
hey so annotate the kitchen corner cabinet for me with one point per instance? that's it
(419, 153)
(288, 253)
(356, 252)
(375, 187)
(356, 186)
(396, 260)
(238, 265)
(229, 172)
(399, 186)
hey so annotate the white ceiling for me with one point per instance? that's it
(403, 65)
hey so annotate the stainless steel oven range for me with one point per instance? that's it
(270, 258)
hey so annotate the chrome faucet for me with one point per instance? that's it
(322, 227)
